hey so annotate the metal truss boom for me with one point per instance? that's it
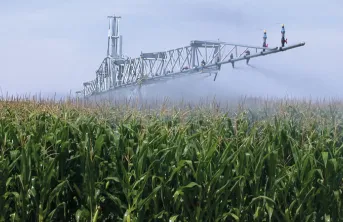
(116, 72)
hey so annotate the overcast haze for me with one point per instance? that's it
(55, 46)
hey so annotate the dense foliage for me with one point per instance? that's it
(61, 163)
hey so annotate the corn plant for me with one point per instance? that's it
(60, 162)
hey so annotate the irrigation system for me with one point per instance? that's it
(118, 71)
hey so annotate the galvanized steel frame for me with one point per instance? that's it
(116, 72)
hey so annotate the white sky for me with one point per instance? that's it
(55, 46)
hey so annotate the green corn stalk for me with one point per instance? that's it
(281, 163)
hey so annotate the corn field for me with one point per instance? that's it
(61, 162)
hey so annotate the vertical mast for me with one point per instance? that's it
(114, 48)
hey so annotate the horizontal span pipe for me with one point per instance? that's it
(280, 49)
(249, 46)
(198, 42)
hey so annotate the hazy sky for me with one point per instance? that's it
(55, 46)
